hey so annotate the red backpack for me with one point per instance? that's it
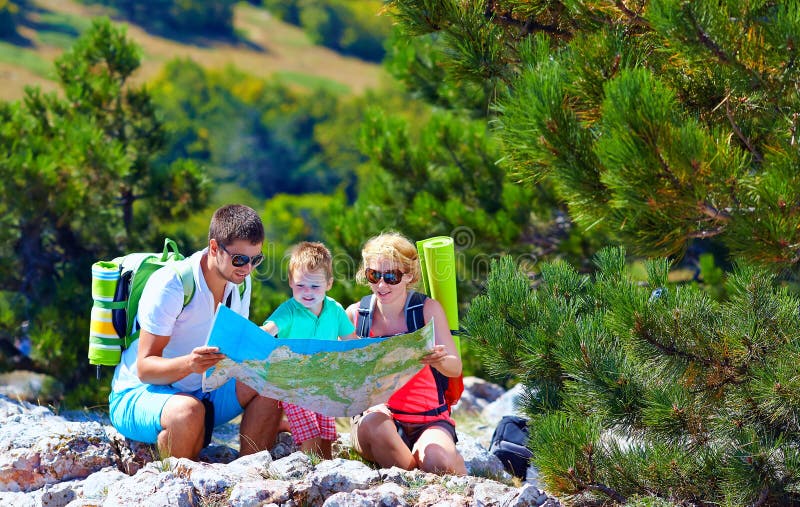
(450, 388)
(455, 388)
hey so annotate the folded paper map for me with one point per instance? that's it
(335, 378)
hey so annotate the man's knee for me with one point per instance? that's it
(244, 393)
(268, 406)
(184, 412)
(183, 424)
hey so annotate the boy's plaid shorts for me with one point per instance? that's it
(305, 424)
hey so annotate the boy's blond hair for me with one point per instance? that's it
(310, 256)
(395, 247)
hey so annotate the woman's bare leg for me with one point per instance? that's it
(377, 440)
(436, 452)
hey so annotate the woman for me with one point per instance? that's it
(414, 428)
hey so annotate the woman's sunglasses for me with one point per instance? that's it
(239, 260)
(392, 277)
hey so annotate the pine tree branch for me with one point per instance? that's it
(596, 486)
(756, 155)
(633, 17)
(670, 350)
(705, 39)
(705, 208)
(706, 233)
(760, 417)
(608, 491)
(525, 27)
(714, 213)
(674, 179)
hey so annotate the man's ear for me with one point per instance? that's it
(213, 246)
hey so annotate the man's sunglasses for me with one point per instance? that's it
(239, 260)
(392, 277)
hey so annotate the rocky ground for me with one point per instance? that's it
(78, 459)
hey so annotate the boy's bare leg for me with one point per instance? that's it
(284, 425)
(326, 447)
(318, 446)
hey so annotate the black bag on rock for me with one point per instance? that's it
(509, 445)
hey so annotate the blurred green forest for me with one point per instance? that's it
(107, 163)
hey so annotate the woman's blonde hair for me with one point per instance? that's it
(395, 247)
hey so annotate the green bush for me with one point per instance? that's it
(650, 389)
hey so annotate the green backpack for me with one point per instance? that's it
(117, 287)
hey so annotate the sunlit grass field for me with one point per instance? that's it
(263, 47)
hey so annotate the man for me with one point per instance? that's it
(156, 391)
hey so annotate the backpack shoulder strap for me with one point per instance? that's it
(242, 288)
(364, 320)
(186, 274)
(415, 305)
(182, 268)
(415, 317)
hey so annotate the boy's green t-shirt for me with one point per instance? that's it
(296, 321)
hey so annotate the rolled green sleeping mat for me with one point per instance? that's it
(438, 263)
(105, 346)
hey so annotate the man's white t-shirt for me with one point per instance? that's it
(161, 312)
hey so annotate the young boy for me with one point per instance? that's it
(310, 314)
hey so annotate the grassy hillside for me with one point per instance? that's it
(264, 47)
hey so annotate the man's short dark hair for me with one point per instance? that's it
(233, 222)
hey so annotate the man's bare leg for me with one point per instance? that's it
(260, 420)
(183, 424)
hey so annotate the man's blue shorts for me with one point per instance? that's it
(136, 412)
